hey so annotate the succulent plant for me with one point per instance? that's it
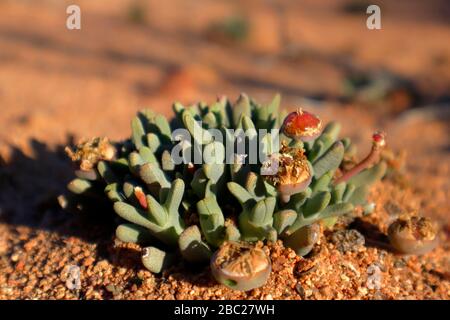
(196, 209)
(240, 266)
(413, 235)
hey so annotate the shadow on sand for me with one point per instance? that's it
(29, 187)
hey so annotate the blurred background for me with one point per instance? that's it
(134, 53)
(58, 85)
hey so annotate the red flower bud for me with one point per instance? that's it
(302, 125)
(379, 139)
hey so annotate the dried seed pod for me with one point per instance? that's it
(302, 125)
(294, 172)
(414, 235)
(240, 266)
(89, 152)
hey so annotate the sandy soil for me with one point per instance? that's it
(57, 86)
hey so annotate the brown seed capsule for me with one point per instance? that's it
(294, 173)
(414, 235)
(240, 266)
(89, 152)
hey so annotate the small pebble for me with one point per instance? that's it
(75, 250)
(369, 208)
(393, 208)
(399, 263)
(73, 281)
(115, 290)
(30, 245)
(374, 277)
(15, 257)
(300, 290)
(348, 240)
(88, 261)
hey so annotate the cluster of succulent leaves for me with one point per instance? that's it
(193, 209)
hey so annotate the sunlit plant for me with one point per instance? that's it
(218, 211)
